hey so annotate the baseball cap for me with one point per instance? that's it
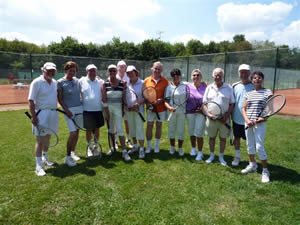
(111, 66)
(120, 63)
(49, 66)
(131, 68)
(244, 67)
(90, 66)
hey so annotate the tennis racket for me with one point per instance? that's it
(44, 134)
(131, 99)
(111, 138)
(76, 118)
(150, 95)
(179, 96)
(272, 106)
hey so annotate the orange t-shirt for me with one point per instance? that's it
(160, 87)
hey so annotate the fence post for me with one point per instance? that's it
(225, 62)
(275, 71)
(30, 62)
(187, 68)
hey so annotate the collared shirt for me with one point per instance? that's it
(70, 91)
(196, 97)
(125, 77)
(222, 96)
(43, 94)
(137, 88)
(239, 92)
(160, 87)
(91, 94)
(179, 94)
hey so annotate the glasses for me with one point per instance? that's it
(196, 75)
(112, 71)
(173, 75)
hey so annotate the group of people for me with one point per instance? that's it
(101, 101)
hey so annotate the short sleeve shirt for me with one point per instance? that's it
(196, 98)
(138, 89)
(43, 94)
(180, 94)
(70, 91)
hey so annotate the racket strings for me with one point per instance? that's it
(214, 109)
(274, 105)
(181, 95)
(149, 94)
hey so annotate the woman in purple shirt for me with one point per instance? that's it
(195, 118)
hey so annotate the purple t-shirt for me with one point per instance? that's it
(196, 97)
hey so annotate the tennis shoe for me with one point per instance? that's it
(133, 150)
(129, 144)
(265, 178)
(96, 152)
(74, 156)
(90, 151)
(39, 171)
(47, 162)
(199, 156)
(70, 162)
(210, 159)
(180, 152)
(172, 150)
(236, 161)
(222, 161)
(156, 149)
(193, 152)
(249, 169)
(116, 144)
(111, 152)
(148, 150)
(141, 154)
(125, 156)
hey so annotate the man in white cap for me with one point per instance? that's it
(240, 88)
(91, 94)
(42, 104)
(122, 75)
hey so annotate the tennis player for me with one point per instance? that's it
(194, 115)
(113, 93)
(69, 98)
(42, 104)
(221, 93)
(176, 123)
(122, 75)
(255, 134)
(91, 94)
(160, 83)
(136, 124)
(238, 123)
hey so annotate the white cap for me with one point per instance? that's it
(131, 68)
(49, 66)
(111, 66)
(121, 63)
(244, 67)
(90, 66)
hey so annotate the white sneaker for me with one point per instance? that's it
(148, 150)
(265, 178)
(172, 151)
(116, 145)
(156, 149)
(125, 156)
(222, 161)
(133, 150)
(129, 144)
(210, 159)
(142, 154)
(90, 151)
(74, 156)
(110, 153)
(180, 152)
(236, 161)
(249, 169)
(199, 156)
(96, 152)
(47, 162)
(193, 152)
(40, 171)
(70, 162)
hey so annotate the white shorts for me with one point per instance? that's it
(136, 125)
(213, 126)
(176, 125)
(115, 121)
(151, 116)
(47, 118)
(196, 124)
(74, 110)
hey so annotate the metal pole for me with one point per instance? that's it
(187, 68)
(275, 71)
(225, 62)
(30, 63)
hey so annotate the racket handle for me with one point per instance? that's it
(170, 115)
(28, 115)
(228, 126)
(141, 116)
(59, 110)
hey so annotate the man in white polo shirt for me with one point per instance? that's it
(92, 106)
(222, 94)
(43, 103)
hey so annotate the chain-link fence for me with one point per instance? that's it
(280, 66)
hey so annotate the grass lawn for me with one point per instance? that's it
(161, 189)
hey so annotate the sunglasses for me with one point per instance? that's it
(196, 75)
(112, 71)
(173, 75)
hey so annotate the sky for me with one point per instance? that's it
(98, 21)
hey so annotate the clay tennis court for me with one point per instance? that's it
(11, 97)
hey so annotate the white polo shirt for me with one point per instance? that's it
(180, 94)
(91, 94)
(222, 96)
(125, 78)
(43, 94)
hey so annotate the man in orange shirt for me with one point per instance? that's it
(160, 83)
